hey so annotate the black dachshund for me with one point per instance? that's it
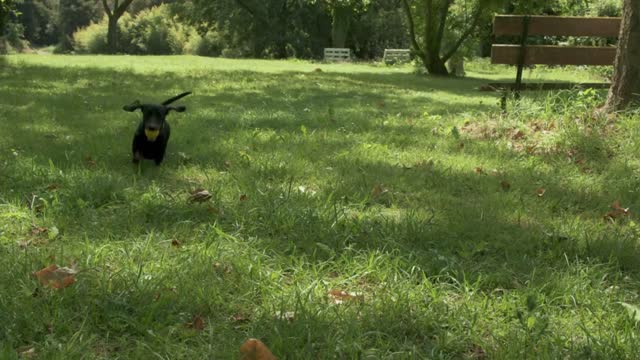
(151, 137)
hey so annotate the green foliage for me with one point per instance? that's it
(208, 44)
(6, 8)
(154, 31)
(14, 37)
(40, 21)
(72, 15)
(91, 39)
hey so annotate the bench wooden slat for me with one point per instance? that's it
(553, 55)
(557, 25)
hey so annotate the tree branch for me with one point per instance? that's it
(412, 31)
(246, 7)
(106, 8)
(118, 11)
(465, 35)
(428, 22)
(444, 12)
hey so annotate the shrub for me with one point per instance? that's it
(154, 31)
(13, 38)
(91, 39)
(208, 44)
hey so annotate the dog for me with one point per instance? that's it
(151, 138)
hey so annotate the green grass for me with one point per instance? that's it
(359, 177)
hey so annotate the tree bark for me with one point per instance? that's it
(114, 15)
(429, 49)
(626, 77)
(340, 25)
(112, 35)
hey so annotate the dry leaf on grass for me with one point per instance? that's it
(254, 349)
(286, 315)
(540, 192)
(196, 323)
(243, 197)
(378, 190)
(55, 277)
(27, 352)
(199, 195)
(240, 318)
(617, 211)
(89, 161)
(340, 297)
(39, 230)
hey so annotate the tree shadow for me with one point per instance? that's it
(273, 138)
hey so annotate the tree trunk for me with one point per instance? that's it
(435, 66)
(434, 63)
(112, 35)
(340, 25)
(626, 77)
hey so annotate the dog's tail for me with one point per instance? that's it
(169, 101)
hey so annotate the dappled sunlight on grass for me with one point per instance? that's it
(414, 193)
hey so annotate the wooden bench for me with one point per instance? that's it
(337, 54)
(394, 56)
(524, 54)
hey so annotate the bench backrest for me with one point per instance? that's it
(555, 26)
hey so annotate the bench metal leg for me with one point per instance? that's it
(521, 57)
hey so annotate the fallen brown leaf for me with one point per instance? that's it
(243, 197)
(215, 210)
(617, 211)
(196, 323)
(38, 230)
(540, 192)
(287, 315)
(378, 190)
(240, 318)
(477, 352)
(89, 161)
(339, 296)
(27, 352)
(254, 349)
(517, 135)
(55, 277)
(199, 195)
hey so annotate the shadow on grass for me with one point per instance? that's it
(65, 115)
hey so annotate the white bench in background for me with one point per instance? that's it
(337, 54)
(393, 56)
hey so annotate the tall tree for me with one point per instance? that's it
(72, 15)
(428, 25)
(114, 13)
(626, 77)
(342, 15)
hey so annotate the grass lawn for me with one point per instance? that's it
(454, 231)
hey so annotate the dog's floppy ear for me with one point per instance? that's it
(133, 107)
(180, 108)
